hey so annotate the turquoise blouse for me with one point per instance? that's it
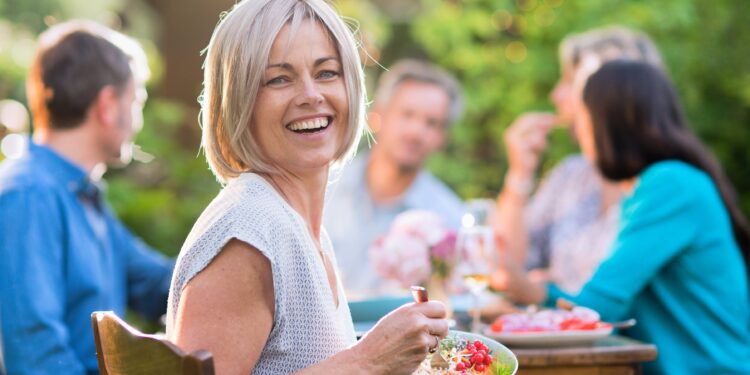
(676, 267)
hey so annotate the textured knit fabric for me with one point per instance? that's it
(307, 325)
(676, 268)
(355, 221)
(64, 255)
(568, 232)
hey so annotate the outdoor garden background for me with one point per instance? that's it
(504, 52)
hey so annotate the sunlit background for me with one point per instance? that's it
(503, 51)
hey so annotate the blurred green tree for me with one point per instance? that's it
(505, 53)
(159, 200)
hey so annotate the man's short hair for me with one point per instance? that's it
(420, 71)
(74, 61)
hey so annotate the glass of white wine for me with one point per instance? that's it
(477, 259)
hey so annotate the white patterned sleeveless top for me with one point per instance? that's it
(307, 326)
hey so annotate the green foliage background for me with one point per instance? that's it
(705, 44)
(160, 200)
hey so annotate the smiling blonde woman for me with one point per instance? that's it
(256, 281)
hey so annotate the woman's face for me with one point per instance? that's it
(302, 111)
(584, 131)
(562, 96)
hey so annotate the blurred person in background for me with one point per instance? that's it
(256, 282)
(679, 264)
(415, 105)
(567, 226)
(64, 253)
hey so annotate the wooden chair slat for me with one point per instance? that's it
(123, 350)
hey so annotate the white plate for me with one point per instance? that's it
(546, 339)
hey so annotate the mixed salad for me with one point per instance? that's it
(578, 318)
(461, 356)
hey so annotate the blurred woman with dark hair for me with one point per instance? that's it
(677, 264)
(564, 228)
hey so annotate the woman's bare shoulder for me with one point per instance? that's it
(232, 297)
(238, 262)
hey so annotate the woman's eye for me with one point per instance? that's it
(327, 74)
(277, 80)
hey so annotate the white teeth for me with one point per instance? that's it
(317, 123)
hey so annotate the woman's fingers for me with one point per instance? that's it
(534, 122)
(526, 139)
(431, 309)
(427, 317)
(400, 341)
(438, 328)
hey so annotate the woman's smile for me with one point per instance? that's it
(301, 114)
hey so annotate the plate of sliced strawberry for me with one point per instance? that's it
(578, 326)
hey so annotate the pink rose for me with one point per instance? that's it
(416, 241)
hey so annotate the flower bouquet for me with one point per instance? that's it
(417, 248)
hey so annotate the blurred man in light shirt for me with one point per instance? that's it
(415, 105)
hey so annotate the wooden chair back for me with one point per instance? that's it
(123, 350)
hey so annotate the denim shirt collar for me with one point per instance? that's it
(68, 174)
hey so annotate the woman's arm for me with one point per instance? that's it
(524, 140)
(509, 222)
(657, 225)
(659, 221)
(215, 314)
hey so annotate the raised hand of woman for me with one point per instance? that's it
(525, 140)
(401, 340)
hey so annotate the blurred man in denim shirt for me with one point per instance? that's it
(63, 253)
(415, 105)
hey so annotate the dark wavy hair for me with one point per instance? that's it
(637, 121)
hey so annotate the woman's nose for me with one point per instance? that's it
(309, 92)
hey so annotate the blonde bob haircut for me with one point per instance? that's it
(236, 59)
(609, 43)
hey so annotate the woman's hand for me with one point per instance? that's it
(519, 286)
(401, 340)
(525, 140)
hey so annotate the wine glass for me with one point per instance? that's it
(479, 211)
(477, 260)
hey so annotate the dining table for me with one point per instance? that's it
(611, 355)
